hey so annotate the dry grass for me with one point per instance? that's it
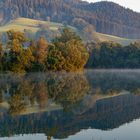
(123, 41)
(21, 24)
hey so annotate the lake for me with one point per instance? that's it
(93, 105)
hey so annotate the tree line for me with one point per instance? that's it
(65, 52)
(114, 55)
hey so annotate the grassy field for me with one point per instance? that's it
(21, 24)
(123, 41)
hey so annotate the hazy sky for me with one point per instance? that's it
(132, 4)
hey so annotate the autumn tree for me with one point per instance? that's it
(68, 52)
(15, 45)
(55, 59)
(39, 50)
(27, 59)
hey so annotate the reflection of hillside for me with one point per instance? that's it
(32, 109)
(91, 100)
(107, 113)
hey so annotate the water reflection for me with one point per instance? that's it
(61, 104)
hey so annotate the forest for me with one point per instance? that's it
(65, 52)
(114, 55)
(106, 17)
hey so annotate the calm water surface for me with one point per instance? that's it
(94, 105)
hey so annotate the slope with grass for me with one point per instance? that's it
(122, 41)
(106, 16)
(22, 24)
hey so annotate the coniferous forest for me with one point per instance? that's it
(106, 17)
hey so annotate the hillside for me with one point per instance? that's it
(26, 24)
(106, 17)
(21, 24)
(123, 41)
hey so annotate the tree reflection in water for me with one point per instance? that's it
(61, 104)
(40, 89)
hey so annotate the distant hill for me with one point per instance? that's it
(106, 17)
(33, 26)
